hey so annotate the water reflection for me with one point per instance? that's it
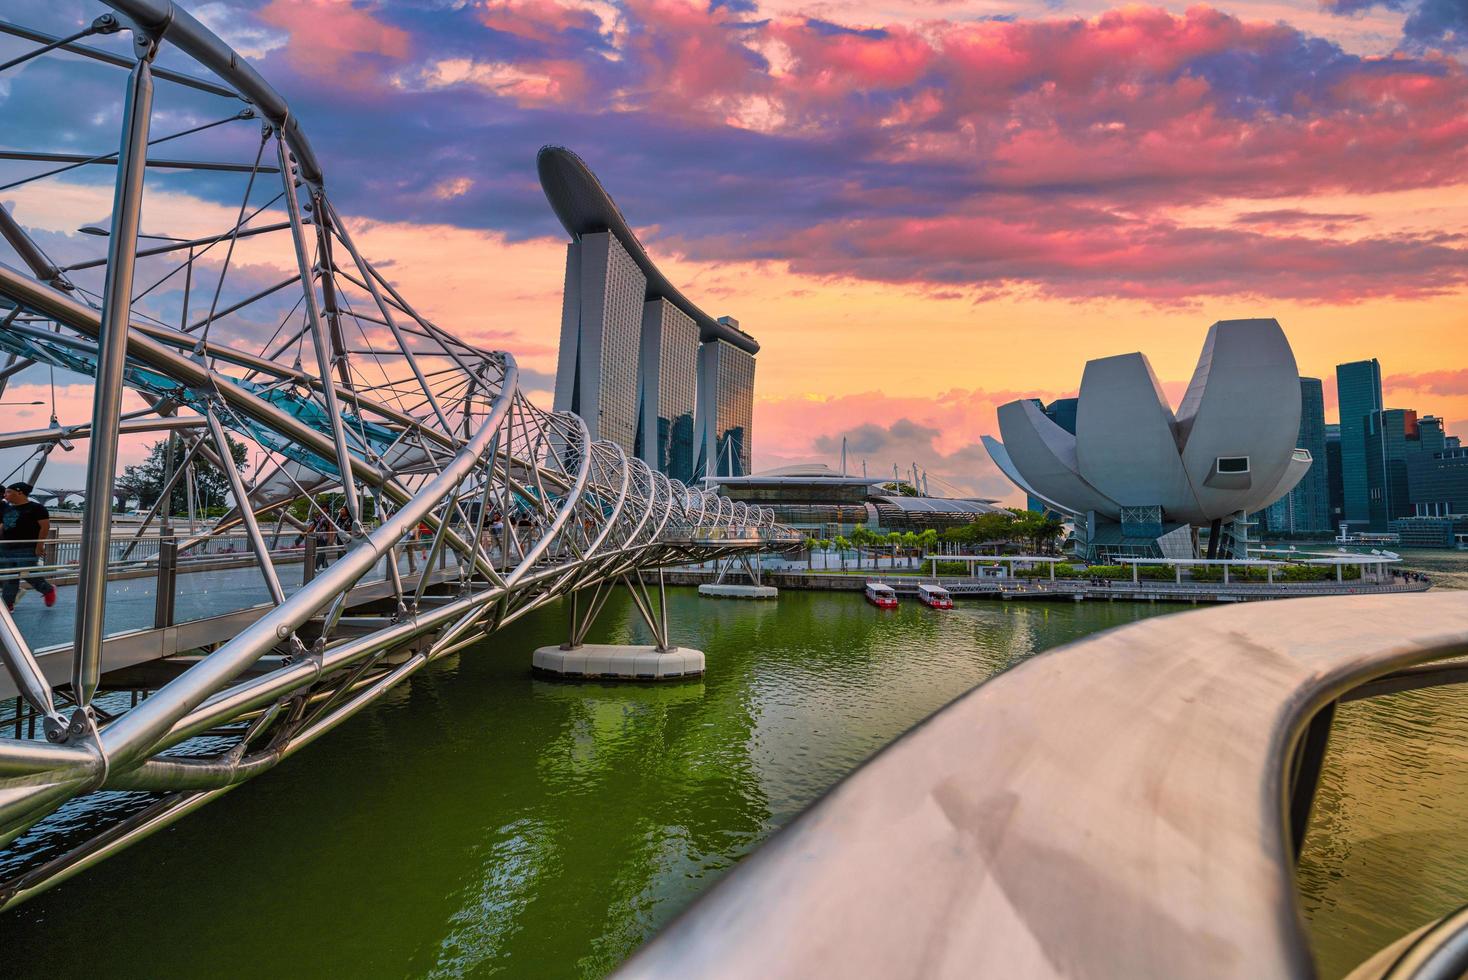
(1387, 849)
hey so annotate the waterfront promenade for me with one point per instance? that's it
(1066, 590)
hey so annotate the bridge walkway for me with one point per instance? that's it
(210, 605)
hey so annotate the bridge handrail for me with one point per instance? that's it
(1128, 805)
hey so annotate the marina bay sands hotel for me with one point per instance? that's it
(641, 364)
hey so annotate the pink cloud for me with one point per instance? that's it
(689, 58)
(1450, 382)
(1084, 251)
(789, 426)
(1050, 154)
(334, 38)
(941, 433)
(827, 63)
(536, 20)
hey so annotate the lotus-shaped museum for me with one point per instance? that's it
(1138, 477)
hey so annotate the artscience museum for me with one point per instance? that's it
(1140, 480)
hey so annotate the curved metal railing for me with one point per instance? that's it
(1130, 805)
(276, 334)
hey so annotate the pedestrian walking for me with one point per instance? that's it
(325, 537)
(22, 541)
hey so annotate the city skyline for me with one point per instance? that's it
(911, 254)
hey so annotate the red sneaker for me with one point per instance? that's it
(51, 597)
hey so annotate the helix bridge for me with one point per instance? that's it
(260, 322)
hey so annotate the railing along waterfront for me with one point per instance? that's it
(1131, 805)
(274, 331)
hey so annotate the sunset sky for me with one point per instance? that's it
(920, 209)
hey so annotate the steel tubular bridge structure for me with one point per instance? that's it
(358, 408)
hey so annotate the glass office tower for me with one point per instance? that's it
(1333, 474)
(1430, 432)
(668, 389)
(1310, 499)
(1391, 437)
(601, 337)
(1438, 482)
(1358, 385)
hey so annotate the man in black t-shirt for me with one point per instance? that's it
(24, 525)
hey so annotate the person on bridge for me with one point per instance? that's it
(22, 541)
(320, 528)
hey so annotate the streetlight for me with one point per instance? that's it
(100, 232)
(22, 403)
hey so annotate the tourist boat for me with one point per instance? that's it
(1366, 538)
(934, 596)
(881, 595)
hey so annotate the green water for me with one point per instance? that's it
(480, 822)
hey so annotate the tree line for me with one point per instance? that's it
(1034, 531)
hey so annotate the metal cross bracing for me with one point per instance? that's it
(261, 322)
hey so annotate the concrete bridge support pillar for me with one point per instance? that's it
(577, 660)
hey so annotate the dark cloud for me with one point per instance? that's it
(1439, 24)
(1296, 216)
(873, 438)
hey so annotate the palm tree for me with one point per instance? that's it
(842, 544)
(810, 553)
(910, 542)
(928, 541)
(859, 538)
(894, 540)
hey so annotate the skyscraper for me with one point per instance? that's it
(1430, 432)
(1391, 437)
(1438, 482)
(1311, 496)
(1358, 386)
(725, 418)
(1333, 474)
(601, 337)
(668, 391)
(1307, 506)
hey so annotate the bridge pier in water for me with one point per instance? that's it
(753, 589)
(577, 660)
